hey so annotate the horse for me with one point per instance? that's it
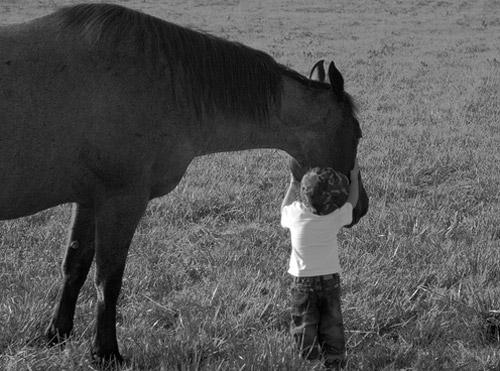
(104, 107)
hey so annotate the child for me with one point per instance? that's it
(326, 203)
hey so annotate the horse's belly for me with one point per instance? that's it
(35, 172)
(25, 191)
(37, 152)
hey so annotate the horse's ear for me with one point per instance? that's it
(318, 71)
(336, 80)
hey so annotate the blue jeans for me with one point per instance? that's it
(317, 326)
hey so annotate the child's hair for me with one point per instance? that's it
(323, 190)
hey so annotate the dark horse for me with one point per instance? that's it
(105, 107)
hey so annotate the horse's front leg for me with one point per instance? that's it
(116, 219)
(76, 264)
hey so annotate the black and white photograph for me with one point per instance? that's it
(250, 185)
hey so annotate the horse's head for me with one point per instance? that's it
(332, 138)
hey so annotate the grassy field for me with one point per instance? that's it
(206, 283)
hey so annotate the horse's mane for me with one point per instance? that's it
(216, 74)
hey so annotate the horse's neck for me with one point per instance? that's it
(289, 124)
(225, 134)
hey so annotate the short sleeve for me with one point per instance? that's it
(289, 214)
(345, 215)
(285, 216)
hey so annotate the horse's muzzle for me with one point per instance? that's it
(361, 207)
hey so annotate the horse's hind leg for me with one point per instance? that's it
(116, 219)
(77, 261)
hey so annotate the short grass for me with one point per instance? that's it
(206, 283)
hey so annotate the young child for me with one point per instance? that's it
(325, 203)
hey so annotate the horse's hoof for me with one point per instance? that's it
(107, 360)
(55, 336)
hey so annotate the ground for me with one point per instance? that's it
(206, 283)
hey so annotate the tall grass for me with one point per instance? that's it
(206, 283)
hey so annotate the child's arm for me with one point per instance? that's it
(353, 187)
(291, 193)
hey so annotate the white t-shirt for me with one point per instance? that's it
(314, 239)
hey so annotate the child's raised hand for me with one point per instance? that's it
(296, 170)
(355, 170)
